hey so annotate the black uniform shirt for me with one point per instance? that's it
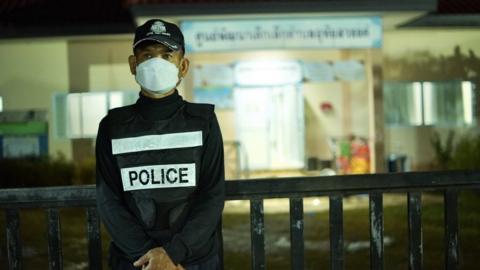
(126, 231)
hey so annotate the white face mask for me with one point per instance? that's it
(157, 75)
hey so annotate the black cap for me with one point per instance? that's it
(161, 31)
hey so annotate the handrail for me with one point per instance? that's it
(73, 196)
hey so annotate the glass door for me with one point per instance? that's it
(270, 126)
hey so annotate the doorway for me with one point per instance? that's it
(270, 126)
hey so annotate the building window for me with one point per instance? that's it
(402, 103)
(446, 103)
(77, 115)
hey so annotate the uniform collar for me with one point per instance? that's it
(158, 109)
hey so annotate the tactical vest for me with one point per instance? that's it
(159, 163)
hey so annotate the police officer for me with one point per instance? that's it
(160, 167)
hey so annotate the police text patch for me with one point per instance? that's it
(158, 176)
(157, 142)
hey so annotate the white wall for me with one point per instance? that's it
(33, 70)
(436, 41)
(415, 141)
(30, 72)
(100, 65)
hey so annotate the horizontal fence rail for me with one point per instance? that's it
(256, 190)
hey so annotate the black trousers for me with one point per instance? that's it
(210, 264)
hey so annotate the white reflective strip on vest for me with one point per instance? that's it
(158, 176)
(157, 142)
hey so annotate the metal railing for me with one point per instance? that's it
(336, 187)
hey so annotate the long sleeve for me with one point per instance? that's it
(207, 206)
(126, 232)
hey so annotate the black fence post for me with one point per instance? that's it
(376, 231)
(55, 259)
(296, 233)
(94, 239)
(336, 232)
(415, 241)
(14, 243)
(257, 231)
(451, 230)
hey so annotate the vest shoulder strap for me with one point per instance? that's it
(202, 110)
(120, 114)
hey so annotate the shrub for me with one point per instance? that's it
(35, 172)
(464, 154)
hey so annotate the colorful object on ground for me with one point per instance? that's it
(353, 156)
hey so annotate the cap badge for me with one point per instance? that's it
(158, 28)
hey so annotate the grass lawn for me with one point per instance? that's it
(237, 238)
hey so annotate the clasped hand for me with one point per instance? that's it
(157, 259)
